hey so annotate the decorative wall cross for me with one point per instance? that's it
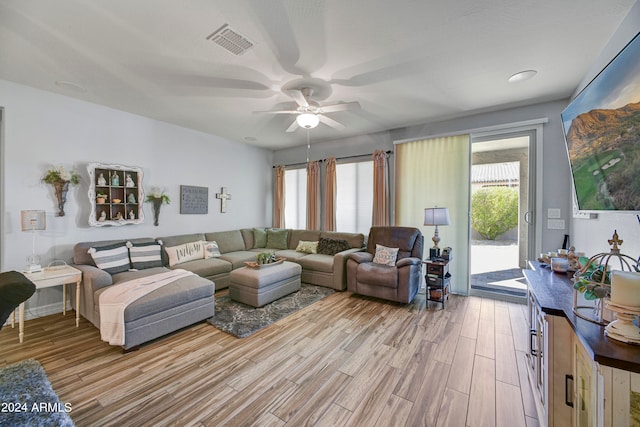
(223, 196)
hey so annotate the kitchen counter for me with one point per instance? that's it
(554, 294)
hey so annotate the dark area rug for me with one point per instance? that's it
(28, 399)
(241, 320)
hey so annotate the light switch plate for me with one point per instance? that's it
(554, 213)
(555, 224)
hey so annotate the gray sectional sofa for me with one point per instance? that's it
(191, 299)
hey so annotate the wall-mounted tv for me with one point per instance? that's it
(602, 134)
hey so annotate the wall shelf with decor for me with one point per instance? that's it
(115, 194)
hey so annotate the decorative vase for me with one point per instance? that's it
(157, 203)
(61, 188)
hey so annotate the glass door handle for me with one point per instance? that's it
(528, 216)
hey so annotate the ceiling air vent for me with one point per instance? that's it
(230, 40)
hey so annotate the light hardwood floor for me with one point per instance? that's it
(346, 360)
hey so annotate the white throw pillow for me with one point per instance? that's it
(307, 247)
(385, 255)
(186, 252)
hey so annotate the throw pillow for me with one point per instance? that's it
(328, 246)
(186, 252)
(145, 255)
(307, 247)
(259, 237)
(111, 258)
(385, 255)
(211, 250)
(277, 239)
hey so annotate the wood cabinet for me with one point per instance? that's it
(115, 194)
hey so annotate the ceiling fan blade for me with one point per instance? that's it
(293, 126)
(330, 122)
(339, 107)
(278, 112)
(298, 96)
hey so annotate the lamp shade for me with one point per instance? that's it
(436, 216)
(33, 220)
(308, 120)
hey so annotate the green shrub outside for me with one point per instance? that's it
(494, 210)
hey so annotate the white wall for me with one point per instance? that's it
(43, 129)
(591, 235)
(556, 172)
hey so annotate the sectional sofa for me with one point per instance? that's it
(211, 256)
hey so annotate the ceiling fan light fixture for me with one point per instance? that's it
(308, 120)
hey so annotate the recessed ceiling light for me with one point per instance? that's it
(250, 138)
(522, 76)
(71, 85)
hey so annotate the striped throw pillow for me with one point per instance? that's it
(145, 255)
(111, 258)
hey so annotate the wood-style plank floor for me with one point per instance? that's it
(344, 361)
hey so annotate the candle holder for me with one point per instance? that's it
(623, 329)
(594, 280)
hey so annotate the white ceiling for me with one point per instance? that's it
(405, 61)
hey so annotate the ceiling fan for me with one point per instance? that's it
(310, 113)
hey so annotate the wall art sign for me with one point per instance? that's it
(194, 200)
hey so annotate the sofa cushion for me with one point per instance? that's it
(317, 262)
(329, 246)
(228, 241)
(277, 239)
(175, 294)
(290, 254)
(238, 258)
(377, 275)
(295, 236)
(111, 258)
(145, 255)
(385, 255)
(259, 238)
(206, 267)
(185, 252)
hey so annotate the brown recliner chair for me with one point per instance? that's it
(400, 282)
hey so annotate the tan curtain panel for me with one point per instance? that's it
(436, 172)
(330, 191)
(313, 196)
(278, 198)
(380, 189)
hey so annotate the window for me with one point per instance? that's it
(354, 198)
(295, 198)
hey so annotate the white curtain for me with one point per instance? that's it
(430, 173)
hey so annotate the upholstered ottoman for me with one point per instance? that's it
(257, 287)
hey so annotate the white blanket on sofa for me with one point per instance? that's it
(116, 299)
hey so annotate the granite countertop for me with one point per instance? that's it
(554, 294)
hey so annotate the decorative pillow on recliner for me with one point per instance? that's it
(277, 239)
(186, 252)
(145, 255)
(385, 255)
(111, 258)
(329, 246)
(307, 247)
(211, 250)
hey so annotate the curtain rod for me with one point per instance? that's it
(337, 158)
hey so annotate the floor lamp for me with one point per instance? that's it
(31, 221)
(436, 216)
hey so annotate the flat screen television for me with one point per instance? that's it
(602, 134)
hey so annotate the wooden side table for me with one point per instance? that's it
(437, 279)
(55, 276)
